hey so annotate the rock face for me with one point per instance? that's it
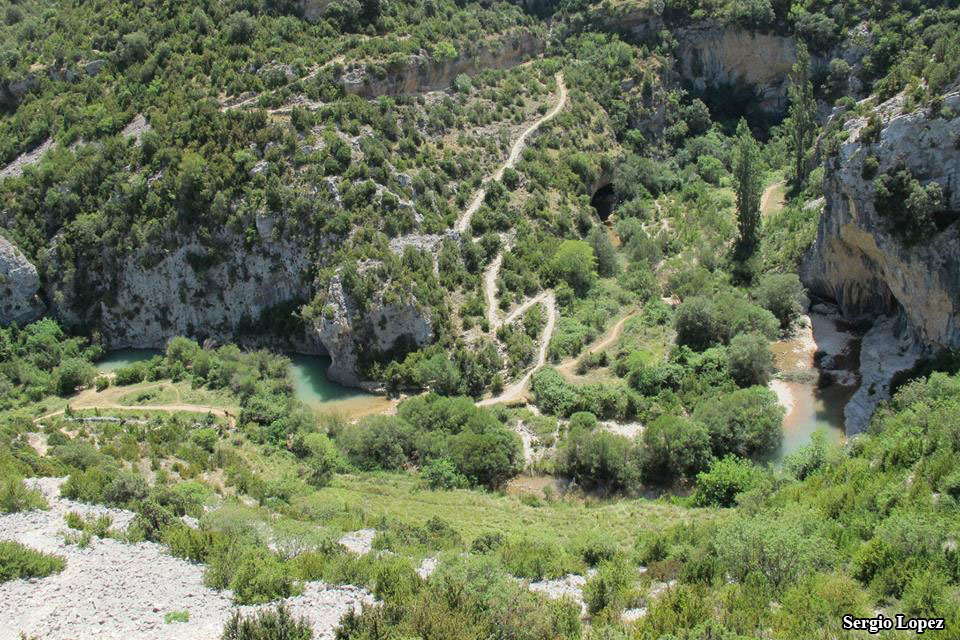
(348, 334)
(219, 292)
(858, 261)
(19, 286)
(714, 56)
(422, 73)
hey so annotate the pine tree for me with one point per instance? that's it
(748, 187)
(802, 116)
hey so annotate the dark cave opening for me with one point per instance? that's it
(604, 200)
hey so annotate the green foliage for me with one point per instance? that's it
(749, 360)
(746, 423)
(267, 624)
(909, 207)
(15, 496)
(607, 264)
(18, 561)
(674, 446)
(575, 264)
(171, 617)
(599, 460)
(781, 294)
(442, 474)
(607, 588)
(725, 480)
(802, 117)
(748, 185)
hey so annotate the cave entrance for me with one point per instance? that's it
(603, 200)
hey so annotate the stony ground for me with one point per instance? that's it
(113, 589)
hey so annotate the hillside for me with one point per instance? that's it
(443, 320)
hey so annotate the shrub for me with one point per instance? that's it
(607, 588)
(534, 560)
(747, 423)
(18, 561)
(595, 547)
(322, 461)
(15, 496)
(254, 574)
(673, 447)
(575, 264)
(377, 442)
(749, 360)
(488, 459)
(583, 420)
(150, 522)
(724, 481)
(72, 373)
(599, 459)
(697, 323)
(487, 542)
(267, 624)
(442, 474)
(781, 294)
(125, 488)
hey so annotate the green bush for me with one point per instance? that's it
(608, 587)
(267, 624)
(253, 574)
(18, 561)
(599, 459)
(781, 294)
(749, 360)
(535, 560)
(15, 496)
(725, 480)
(747, 423)
(442, 474)
(674, 447)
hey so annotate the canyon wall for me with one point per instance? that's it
(19, 286)
(423, 73)
(909, 290)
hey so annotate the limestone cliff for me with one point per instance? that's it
(864, 264)
(351, 334)
(19, 285)
(712, 55)
(422, 73)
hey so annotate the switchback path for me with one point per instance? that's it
(464, 222)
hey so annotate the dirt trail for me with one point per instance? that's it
(772, 199)
(604, 341)
(254, 98)
(516, 390)
(464, 222)
(92, 399)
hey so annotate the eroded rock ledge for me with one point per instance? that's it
(910, 291)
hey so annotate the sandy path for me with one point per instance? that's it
(772, 199)
(516, 390)
(92, 399)
(464, 222)
(600, 344)
(490, 290)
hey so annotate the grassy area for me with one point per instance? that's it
(398, 498)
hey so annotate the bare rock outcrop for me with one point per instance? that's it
(860, 259)
(423, 73)
(19, 286)
(350, 333)
(713, 55)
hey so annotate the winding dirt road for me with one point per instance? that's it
(93, 399)
(603, 342)
(464, 222)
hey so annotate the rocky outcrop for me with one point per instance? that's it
(864, 264)
(351, 335)
(19, 286)
(713, 56)
(423, 73)
(219, 290)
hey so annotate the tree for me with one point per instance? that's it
(674, 446)
(603, 250)
(599, 459)
(749, 360)
(748, 187)
(72, 373)
(802, 116)
(782, 295)
(725, 480)
(697, 324)
(747, 423)
(575, 264)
